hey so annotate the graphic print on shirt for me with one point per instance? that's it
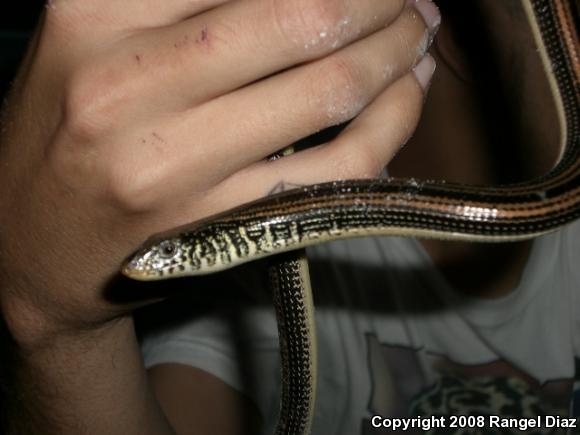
(409, 382)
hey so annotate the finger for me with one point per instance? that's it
(362, 150)
(305, 100)
(243, 41)
(296, 104)
(153, 13)
(131, 14)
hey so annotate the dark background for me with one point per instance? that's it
(16, 22)
(20, 16)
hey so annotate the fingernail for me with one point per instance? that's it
(430, 13)
(424, 71)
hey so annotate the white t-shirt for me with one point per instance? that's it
(394, 339)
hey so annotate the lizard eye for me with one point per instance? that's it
(167, 249)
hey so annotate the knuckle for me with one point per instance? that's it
(354, 162)
(338, 89)
(342, 71)
(368, 163)
(127, 187)
(107, 176)
(92, 100)
(83, 107)
(311, 23)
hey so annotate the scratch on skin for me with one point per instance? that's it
(182, 42)
(159, 138)
(284, 186)
(203, 37)
(138, 58)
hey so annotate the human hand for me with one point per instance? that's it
(123, 123)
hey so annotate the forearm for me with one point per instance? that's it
(87, 382)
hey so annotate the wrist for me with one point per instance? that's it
(32, 323)
(75, 375)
